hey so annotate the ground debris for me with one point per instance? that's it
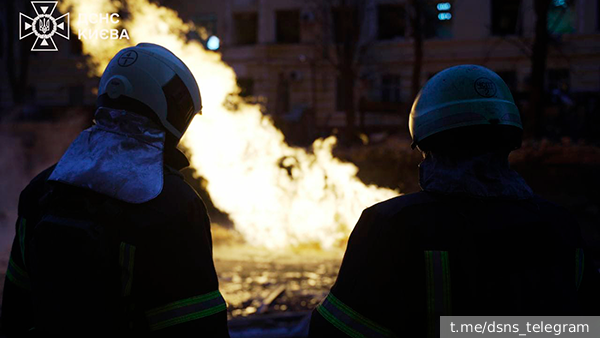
(258, 284)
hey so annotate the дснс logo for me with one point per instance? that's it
(44, 26)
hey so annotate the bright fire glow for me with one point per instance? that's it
(277, 195)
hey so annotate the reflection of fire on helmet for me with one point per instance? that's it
(148, 79)
(467, 102)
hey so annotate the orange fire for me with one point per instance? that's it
(277, 195)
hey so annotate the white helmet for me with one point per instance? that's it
(150, 77)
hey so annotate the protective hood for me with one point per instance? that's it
(484, 175)
(121, 156)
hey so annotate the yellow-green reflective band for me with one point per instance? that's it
(349, 321)
(17, 275)
(437, 277)
(186, 310)
(126, 257)
(579, 264)
(338, 323)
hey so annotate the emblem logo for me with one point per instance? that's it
(127, 59)
(485, 87)
(44, 26)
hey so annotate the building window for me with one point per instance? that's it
(510, 78)
(245, 28)
(557, 79)
(391, 22)
(287, 26)
(345, 24)
(76, 95)
(506, 16)
(246, 86)
(438, 19)
(561, 17)
(390, 88)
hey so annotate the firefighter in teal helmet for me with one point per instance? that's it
(474, 241)
(111, 241)
(466, 101)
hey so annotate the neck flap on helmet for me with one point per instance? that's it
(121, 156)
(486, 175)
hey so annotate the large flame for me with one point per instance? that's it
(276, 195)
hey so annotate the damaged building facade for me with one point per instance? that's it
(293, 57)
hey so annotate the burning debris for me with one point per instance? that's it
(256, 281)
(271, 294)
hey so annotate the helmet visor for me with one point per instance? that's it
(180, 105)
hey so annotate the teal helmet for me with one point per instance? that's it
(463, 100)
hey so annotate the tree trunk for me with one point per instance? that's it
(348, 78)
(347, 71)
(538, 69)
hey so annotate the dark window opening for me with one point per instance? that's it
(391, 22)
(390, 88)
(246, 87)
(245, 28)
(345, 24)
(287, 26)
(76, 95)
(506, 17)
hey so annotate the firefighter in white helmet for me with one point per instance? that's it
(475, 241)
(111, 241)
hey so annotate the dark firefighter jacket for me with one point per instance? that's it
(475, 241)
(160, 280)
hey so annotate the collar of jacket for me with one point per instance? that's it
(120, 156)
(175, 158)
(482, 175)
